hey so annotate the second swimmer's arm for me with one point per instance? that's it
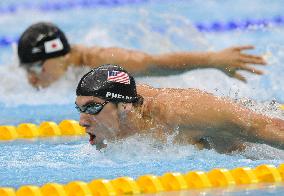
(228, 60)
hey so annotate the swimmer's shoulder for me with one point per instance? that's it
(76, 55)
(149, 91)
(146, 90)
(87, 56)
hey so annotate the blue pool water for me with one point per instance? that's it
(154, 26)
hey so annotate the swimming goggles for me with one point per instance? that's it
(91, 108)
(34, 67)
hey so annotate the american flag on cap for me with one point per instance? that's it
(118, 76)
(53, 45)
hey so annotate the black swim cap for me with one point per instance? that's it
(42, 41)
(109, 82)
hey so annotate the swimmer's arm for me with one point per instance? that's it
(228, 60)
(257, 128)
(195, 109)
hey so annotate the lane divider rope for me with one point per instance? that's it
(216, 26)
(151, 184)
(49, 6)
(126, 185)
(45, 129)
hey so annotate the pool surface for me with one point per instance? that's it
(154, 26)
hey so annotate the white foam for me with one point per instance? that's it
(146, 148)
(15, 89)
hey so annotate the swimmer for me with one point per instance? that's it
(111, 107)
(45, 54)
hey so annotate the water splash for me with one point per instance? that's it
(66, 159)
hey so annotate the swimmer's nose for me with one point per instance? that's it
(84, 120)
(84, 124)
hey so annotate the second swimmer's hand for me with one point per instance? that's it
(230, 60)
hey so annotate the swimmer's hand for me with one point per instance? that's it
(230, 60)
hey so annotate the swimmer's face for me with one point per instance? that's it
(43, 73)
(102, 126)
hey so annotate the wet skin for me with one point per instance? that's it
(196, 114)
(229, 61)
(102, 126)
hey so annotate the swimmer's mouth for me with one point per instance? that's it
(92, 139)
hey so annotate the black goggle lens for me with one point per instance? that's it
(92, 108)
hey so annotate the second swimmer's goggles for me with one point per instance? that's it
(91, 108)
(35, 67)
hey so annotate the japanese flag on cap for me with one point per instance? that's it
(53, 45)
